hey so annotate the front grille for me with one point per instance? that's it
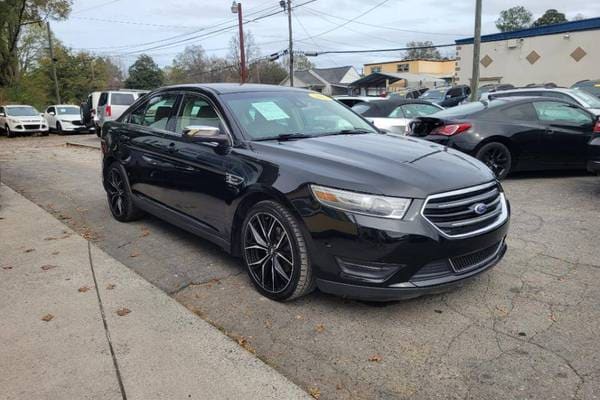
(32, 126)
(467, 211)
(76, 123)
(435, 269)
(471, 261)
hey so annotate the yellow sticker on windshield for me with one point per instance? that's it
(597, 85)
(319, 96)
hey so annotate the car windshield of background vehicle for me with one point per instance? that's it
(268, 115)
(464, 109)
(591, 101)
(433, 94)
(122, 99)
(22, 112)
(68, 110)
(413, 111)
(361, 108)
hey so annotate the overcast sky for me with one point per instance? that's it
(123, 28)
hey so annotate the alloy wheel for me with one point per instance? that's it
(497, 160)
(116, 192)
(268, 252)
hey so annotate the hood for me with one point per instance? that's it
(378, 164)
(69, 117)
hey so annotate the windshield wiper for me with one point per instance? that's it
(285, 136)
(353, 131)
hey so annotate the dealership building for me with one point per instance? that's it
(561, 53)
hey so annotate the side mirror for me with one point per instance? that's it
(52, 113)
(2, 115)
(205, 134)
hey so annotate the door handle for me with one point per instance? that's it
(550, 131)
(171, 148)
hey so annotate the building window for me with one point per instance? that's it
(402, 68)
(375, 69)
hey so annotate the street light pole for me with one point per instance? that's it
(287, 4)
(236, 8)
(476, 51)
(53, 61)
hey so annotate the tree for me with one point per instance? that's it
(189, 66)
(144, 74)
(252, 51)
(30, 47)
(14, 16)
(424, 53)
(301, 63)
(513, 19)
(269, 72)
(550, 17)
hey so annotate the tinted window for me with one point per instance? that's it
(434, 94)
(557, 95)
(521, 112)
(464, 109)
(416, 110)
(122, 99)
(103, 99)
(361, 108)
(1, 109)
(155, 113)
(586, 99)
(195, 110)
(560, 112)
(456, 92)
(51, 109)
(265, 115)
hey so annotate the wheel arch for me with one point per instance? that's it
(514, 150)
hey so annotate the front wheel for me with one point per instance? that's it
(275, 252)
(119, 196)
(9, 133)
(497, 157)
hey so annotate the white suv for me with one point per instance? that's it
(114, 103)
(15, 119)
(64, 118)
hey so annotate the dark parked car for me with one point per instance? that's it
(448, 96)
(408, 93)
(593, 154)
(514, 133)
(493, 87)
(305, 191)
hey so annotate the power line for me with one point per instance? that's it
(433, 46)
(352, 20)
(132, 22)
(383, 26)
(311, 38)
(95, 7)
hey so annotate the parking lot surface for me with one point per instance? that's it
(527, 329)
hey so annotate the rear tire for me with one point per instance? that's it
(275, 253)
(118, 191)
(497, 157)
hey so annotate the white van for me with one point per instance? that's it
(111, 104)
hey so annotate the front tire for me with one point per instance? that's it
(497, 157)
(275, 252)
(120, 201)
(9, 133)
(59, 130)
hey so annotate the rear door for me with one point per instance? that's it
(568, 129)
(119, 102)
(102, 103)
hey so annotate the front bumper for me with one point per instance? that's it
(395, 259)
(593, 166)
(29, 128)
(75, 128)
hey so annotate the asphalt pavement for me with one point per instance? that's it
(528, 329)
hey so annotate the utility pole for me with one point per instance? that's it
(236, 8)
(476, 52)
(287, 4)
(53, 60)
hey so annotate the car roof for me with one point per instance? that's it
(62, 105)
(385, 107)
(17, 105)
(226, 88)
(540, 89)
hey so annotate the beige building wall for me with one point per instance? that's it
(442, 67)
(563, 58)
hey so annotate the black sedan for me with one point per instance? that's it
(514, 134)
(306, 192)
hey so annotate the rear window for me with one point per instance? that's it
(465, 109)
(361, 108)
(121, 99)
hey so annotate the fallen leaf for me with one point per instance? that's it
(268, 324)
(145, 232)
(7, 267)
(48, 317)
(553, 317)
(48, 267)
(55, 253)
(242, 341)
(502, 310)
(81, 209)
(375, 358)
(110, 286)
(134, 254)
(121, 312)
(320, 328)
(314, 392)
(299, 316)
(83, 289)
(29, 250)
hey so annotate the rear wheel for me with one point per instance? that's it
(497, 157)
(275, 252)
(119, 196)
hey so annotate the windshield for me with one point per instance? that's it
(269, 115)
(434, 94)
(24, 111)
(586, 98)
(68, 110)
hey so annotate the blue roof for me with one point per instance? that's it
(572, 26)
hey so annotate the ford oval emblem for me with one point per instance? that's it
(480, 208)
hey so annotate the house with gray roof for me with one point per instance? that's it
(329, 81)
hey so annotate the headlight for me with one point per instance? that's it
(361, 203)
(13, 121)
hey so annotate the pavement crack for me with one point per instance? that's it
(106, 330)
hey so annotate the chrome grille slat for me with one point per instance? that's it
(453, 213)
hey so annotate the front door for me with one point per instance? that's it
(568, 129)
